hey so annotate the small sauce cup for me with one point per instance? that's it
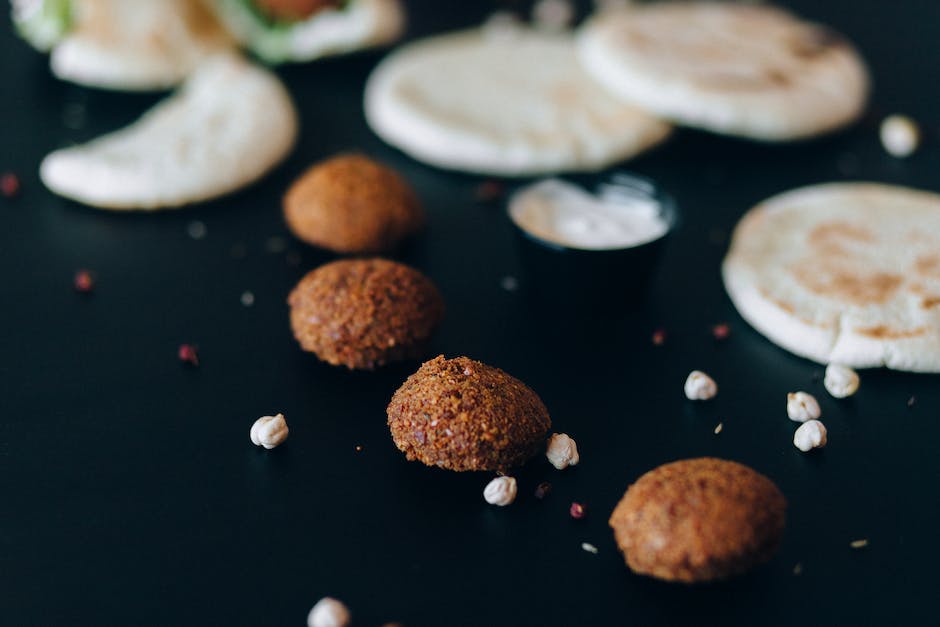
(604, 280)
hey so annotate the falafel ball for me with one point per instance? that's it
(699, 520)
(461, 414)
(363, 313)
(350, 204)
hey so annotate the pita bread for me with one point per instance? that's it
(748, 70)
(511, 104)
(136, 44)
(845, 273)
(228, 125)
(359, 24)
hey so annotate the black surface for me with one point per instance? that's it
(131, 495)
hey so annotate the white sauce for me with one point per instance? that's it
(623, 214)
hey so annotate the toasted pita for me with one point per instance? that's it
(749, 70)
(360, 24)
(136, 44)
(228, 125)
(513, 103)
(844, 273)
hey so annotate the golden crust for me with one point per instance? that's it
(461, 414)
(352, 204)
(363, 313)
(698, 520)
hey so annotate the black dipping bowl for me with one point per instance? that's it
(604, 281)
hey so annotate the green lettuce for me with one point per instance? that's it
(42, 23)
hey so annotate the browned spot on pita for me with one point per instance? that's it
(791, 310)
(567, 95)
(777, 77)
(831, 232)
(846, 284)
(882, 332)
(815, 42)
(787, 307)
(928, 265)
(931, 301)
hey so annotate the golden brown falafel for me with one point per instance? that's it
(363, 313)
(698, 520)
(352, 204)
(461, 414)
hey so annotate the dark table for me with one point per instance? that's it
(130, 493)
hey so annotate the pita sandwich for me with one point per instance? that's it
(511, 102)
(42, 23)
(229, 124)
(136, 44)
(749, 70)
(845, 273)
(303, 30)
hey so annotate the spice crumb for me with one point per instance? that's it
(509, 283)
(798, 569)
(590, 548)
(196, 229)
(489, 191)
(247, 298)
(9, 184)
(859, 544)
(358, 448)
(543, 490)
(659, 337)
(718, 428)
(577, 511)
(84, 282)
(188, 354)
(721, 331)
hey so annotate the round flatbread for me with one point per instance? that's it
(511, 103)
(136, 44)
(356, 25)
(748, 70)
(229, 124)
(844, 273)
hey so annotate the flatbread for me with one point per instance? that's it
(360, 24)
(229, 124)
(844, 273)
(137, 44)
(512, 103)
(748, 70)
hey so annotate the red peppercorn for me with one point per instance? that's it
(721, 331)
(659, 337)
(577, 511)
(489, 190)
(84, 281)
(9, 184)
(188, 355)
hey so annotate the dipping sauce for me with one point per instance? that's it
(624, 213)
